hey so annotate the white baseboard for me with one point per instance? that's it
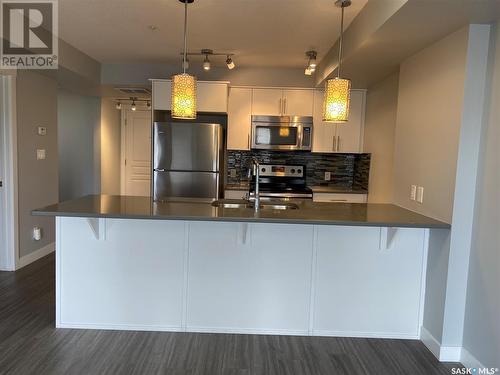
(35, 255)
(368, 335)
(430, 342)
(248, 331)
(120, 327)
(469, 361)
(450, 354)
(442, 353)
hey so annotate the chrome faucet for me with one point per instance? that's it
(256, 173)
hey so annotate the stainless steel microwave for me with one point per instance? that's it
(285, 133)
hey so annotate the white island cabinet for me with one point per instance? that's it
(208, 276)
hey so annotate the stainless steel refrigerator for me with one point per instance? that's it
(187, 160)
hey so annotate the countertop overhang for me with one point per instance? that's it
(347, 214)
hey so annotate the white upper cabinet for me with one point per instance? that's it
(341, 138)
(162, 95)
(239, 118)
(267, 102)
(298, 102)
(280, 102)
(211, 96)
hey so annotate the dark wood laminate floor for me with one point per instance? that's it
(29, 344)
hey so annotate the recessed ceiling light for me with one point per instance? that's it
(153, 27)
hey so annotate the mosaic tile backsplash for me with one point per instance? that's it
(349, 171)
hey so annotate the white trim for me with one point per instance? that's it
(169, 80)
(442, 353)
(58, 269)
(35, 255)
(450, 354)
(11, 254)
(314, 266)
(469, 361)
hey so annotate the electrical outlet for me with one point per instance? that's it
(420, 194)
(37, 233)
(413, 192)
(42, 130)
(328, 176)
(40, 154)
(232, 173)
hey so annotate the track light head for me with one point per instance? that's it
(133, 106)
(148, 104)
(230, 63)
(118, 105)
(312, 63)
(308, 71)
(206, 64)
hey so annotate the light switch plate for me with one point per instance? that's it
(328, 176)
(40, 154)
(420, 194)
(413, 192)
(232, 173)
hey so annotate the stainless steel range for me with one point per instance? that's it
(287, 182)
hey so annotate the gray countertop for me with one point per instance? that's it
(350, 214)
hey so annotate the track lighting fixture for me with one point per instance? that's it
(311, 64)
(133, 101)
(206, 62)
(230, 63)
(208, 54)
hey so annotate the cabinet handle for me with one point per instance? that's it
(338, 143)
(284, 106)
(281, 106)
(334, 143)
(248, 142)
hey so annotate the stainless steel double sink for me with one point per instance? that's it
(264, 205)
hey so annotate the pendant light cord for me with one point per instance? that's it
(339, 70)
(185, 36)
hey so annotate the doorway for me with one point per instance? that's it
(136, 152)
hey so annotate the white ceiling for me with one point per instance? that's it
(271, 33)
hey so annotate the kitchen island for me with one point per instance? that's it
(322, 269)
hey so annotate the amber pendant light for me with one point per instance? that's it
(184, 85)
(338, 90)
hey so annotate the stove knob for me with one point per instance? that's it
(293, 171)
(263, 170)
(299, 170)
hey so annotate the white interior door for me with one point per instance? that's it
(137, 153)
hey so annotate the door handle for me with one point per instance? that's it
(248, 141)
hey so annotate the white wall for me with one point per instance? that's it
(431, 91)
(36, 101)
(380, 127)
(110, 147)
(79, 160)
(482, 328)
